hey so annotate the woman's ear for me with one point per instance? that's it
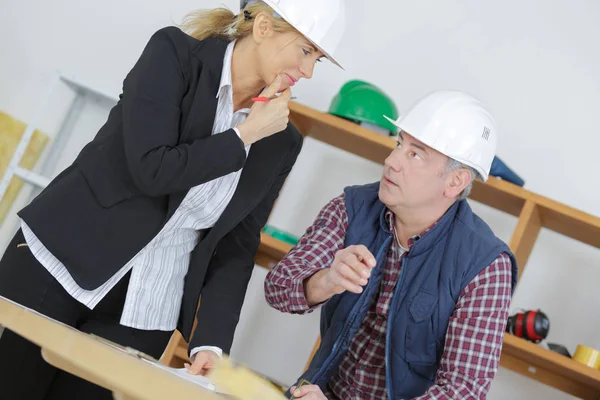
(263, 27)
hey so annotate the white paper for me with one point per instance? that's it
(182, 372)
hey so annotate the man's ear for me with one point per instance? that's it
(457, 181)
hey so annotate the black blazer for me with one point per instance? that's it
(155, 146)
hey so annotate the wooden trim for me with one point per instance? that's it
(525, 234)
(96, 359)
(550, 368)
(62, 363)
(569, 221)
(499, 194)
(341, 133)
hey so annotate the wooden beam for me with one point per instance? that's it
(569, 221)
(550, 368)
(500, 195)
(549, 378)
(341, 133)
(525, 234)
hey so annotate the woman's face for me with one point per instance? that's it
(288, 54)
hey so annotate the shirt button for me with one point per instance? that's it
(362, 367)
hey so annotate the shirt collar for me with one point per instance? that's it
(226, 72)
(389, 217)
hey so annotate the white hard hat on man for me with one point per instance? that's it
(322, 22)
(457, 125)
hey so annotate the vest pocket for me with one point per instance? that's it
(421, 341)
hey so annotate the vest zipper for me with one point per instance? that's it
(388, 335)
(350, 320)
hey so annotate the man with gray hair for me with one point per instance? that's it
(414, 287)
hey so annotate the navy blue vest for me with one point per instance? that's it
(435, 271)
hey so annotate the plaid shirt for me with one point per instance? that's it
(475, 331)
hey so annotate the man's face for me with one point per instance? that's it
(414, 175)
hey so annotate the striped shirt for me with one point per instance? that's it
(158, 270)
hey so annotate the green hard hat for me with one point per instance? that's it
(361, 101)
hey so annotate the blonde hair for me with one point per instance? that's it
(221, 22)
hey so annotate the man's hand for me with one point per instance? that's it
(202, 362)
(349, 271)
(307, 392)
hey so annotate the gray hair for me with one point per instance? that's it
(453, 165)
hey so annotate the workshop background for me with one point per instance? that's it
(534, 64)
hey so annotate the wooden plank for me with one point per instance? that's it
(341, 133)
(95, 359)
(549, 378)
(500, 195)
(569, 221)
(550, 368)
(64, 364)
(525, 234)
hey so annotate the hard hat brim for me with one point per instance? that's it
(393, 121)
(483, 175)
(327, 55)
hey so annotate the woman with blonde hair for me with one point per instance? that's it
(166, 204)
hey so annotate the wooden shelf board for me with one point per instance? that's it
(550, 368)
(569, 221)
(495, 192)
(500, 195)
(340, 133)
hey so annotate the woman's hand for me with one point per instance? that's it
(202, 362)
(266, 119)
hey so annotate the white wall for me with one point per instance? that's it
(533, 63)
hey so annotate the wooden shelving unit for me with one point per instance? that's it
(533, 211)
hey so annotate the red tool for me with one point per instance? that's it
(263, 99)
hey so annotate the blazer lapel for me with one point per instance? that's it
(201, 113)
